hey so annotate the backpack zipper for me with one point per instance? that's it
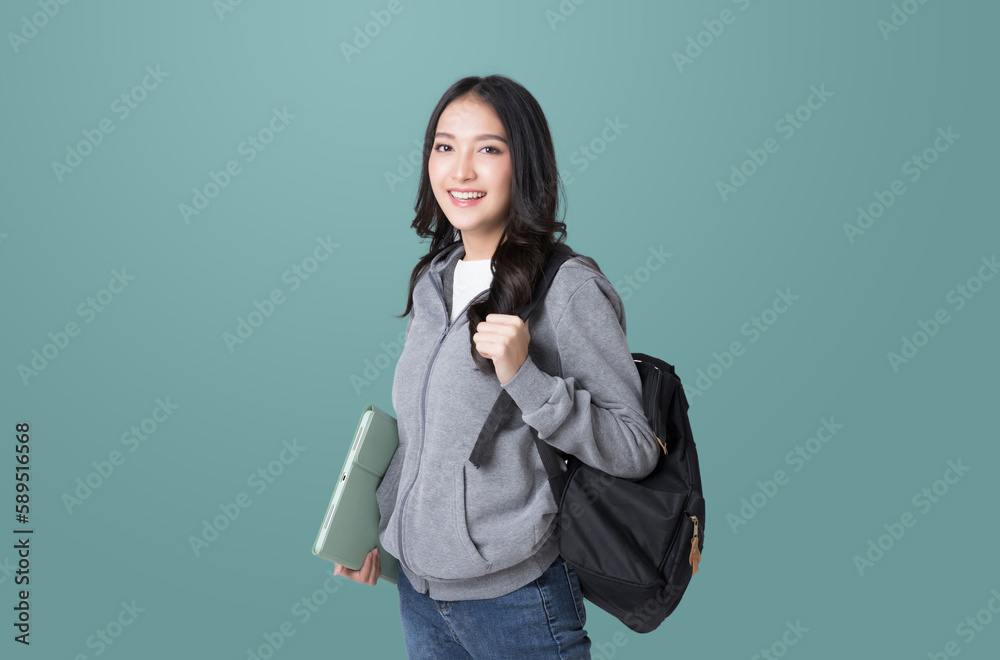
(695, 555)
(423, 399)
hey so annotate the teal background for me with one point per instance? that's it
(655, 185)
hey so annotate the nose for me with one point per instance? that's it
(463, 169)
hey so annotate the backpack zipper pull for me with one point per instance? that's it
(695, 555)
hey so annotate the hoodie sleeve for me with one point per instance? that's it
(595, 413)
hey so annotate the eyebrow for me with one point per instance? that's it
(478, 138)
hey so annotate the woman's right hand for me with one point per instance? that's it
(367, 574)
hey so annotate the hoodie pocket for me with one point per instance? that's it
(388, 489)
(438, 545)
(461, 524)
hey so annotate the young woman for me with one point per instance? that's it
(480, 572)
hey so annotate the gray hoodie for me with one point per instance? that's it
(464, 533)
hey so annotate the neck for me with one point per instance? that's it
(478, 247)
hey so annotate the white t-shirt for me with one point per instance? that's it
(471, 277)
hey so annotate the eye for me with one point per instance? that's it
(437, 147)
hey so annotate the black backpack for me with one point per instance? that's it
(634, 544)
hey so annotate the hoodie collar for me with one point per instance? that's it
(442, 269)
(443, 265)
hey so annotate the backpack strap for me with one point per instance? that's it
(501, 408)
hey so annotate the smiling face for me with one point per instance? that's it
(470, 157)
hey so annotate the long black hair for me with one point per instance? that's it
(531, 228)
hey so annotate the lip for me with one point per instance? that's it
(464, 203)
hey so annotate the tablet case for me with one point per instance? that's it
(353, 527)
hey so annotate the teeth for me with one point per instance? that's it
(462, 195)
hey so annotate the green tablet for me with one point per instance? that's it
(350, 527)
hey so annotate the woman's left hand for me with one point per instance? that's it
(504, 339)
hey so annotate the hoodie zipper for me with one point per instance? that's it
(423, 400)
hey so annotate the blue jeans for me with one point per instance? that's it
(542, 619)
